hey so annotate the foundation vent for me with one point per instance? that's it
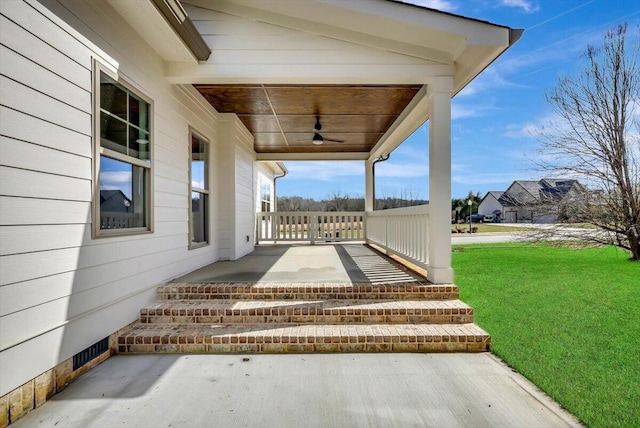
(86, 355)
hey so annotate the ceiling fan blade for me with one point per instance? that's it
(333, 140)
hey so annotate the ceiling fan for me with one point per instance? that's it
(318, 139)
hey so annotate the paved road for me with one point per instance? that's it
(485, 238)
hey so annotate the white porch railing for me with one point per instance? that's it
(401, 231)
(310, 226)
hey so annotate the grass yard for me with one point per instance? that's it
(568, 320)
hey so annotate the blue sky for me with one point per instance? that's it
(493, 117)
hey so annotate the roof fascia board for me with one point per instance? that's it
(283, 168)
(514, 36)
(472, 30)
(339, 33)
(179, 21)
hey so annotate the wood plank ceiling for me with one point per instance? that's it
(282, 117)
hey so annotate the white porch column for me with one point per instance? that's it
(368, 186)
(439, 92)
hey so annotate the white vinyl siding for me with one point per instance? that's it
(61, 291)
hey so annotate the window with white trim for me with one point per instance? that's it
(199, 190)
(122, 160)
(266, 187)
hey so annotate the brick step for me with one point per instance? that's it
(270, 338)
(308, 291)
(307, 312)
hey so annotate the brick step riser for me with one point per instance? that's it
(308, 319)
(309, 296)
(280, 348)
(304, 338)
(408, 291)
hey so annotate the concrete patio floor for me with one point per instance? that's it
(294, 390)
(304, 263)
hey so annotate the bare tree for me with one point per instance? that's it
(596, 138)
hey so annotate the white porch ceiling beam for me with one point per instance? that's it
(320, 156)
(184, 72)
(414, 115)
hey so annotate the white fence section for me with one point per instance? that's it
(401, 231)
(310, 226)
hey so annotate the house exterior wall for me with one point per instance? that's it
(236, 164)
(489, 205)
(60, 290)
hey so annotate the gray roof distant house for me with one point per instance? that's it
(495, 193)
(519, 193)
(525, 200)
(114, 201)
(528, 192)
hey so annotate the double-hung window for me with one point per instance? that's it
(199, 201)
(265, 194)
(122, 156)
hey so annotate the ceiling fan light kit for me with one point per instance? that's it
(318, 139)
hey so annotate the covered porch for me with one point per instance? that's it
(322, 80)
(332, 81)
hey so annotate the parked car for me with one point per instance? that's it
(476, 218)
(488, 218)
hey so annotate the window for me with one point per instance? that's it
(199, 208)
(265, 194)
(122, 156)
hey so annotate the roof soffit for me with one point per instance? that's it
(426, 43)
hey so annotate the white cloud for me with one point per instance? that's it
(116, 180)
(489, 178)
(525, 5)
(527, 130)
(325, 170)
(443, 5)
(412, 152)
(403, 170)
(459, 111)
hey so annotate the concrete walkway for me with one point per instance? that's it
(330, 390)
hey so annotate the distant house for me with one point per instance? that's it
(526, 201)
(114, 201)
(490, 204)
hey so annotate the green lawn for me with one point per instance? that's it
(569, 320)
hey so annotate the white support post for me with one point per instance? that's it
(369, 200)
(439, 93)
